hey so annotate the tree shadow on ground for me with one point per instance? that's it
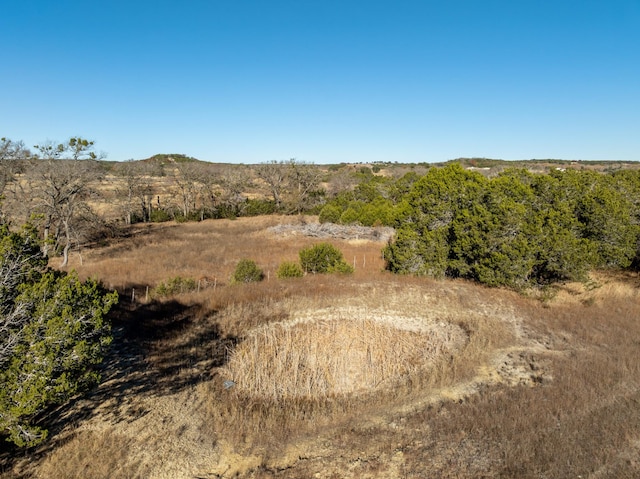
(159, 348)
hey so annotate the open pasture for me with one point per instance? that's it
(365, 375)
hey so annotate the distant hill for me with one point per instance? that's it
(164, 158)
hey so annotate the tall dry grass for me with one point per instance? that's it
(335, 355)
(357, 349)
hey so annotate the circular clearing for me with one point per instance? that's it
(325, 354)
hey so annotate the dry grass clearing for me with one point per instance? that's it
(338, 353)
(367, 375)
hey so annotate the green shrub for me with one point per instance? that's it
(350, 216)
(255, 207)
(330, 214)
(342, 268)
(197, 215)
(159, 216)
(289, 269)
(53, 334)
(247, 271)
(176, 285)
(322, 258)
(227, 211)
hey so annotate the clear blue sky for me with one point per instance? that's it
(325, 81)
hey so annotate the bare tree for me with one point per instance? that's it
(12, 158)
(209, 189)
(291, 183)
(136, 188)
(274, 175)
(233, 181)
(303, 180)
(343, 180)
(59, 178)
(187, 178)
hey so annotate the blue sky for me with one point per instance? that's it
(325, 81)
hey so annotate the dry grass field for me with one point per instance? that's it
(368, 375)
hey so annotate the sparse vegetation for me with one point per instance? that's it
(520, 398)
(173, 286)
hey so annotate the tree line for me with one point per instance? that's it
(517, 229)
(73, 196)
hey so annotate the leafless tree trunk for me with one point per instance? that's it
(137, 186)
(304, 180)
(274, 175)
(13, 156)
(187, 177)
(233, 181)
(59, 180)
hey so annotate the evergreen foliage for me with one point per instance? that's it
(289, 269)
(330, 213)
(52, 332)
(518, 229)
(323, 258)
(371, 203)
(176, 285)
(247, 271)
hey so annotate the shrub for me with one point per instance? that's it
(227, 211)
(174, 286)
(255, 207)
(159, 216)
(322, 258)
(350, 216)
(192, 216)
(247, 271)
(330, 214)
(289, 269)
(342, 267)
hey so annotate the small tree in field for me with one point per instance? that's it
(323, 258)
(247, 271)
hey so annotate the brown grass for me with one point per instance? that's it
(360, 352)
(345, 352)
(537, 390)
(72, 462)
